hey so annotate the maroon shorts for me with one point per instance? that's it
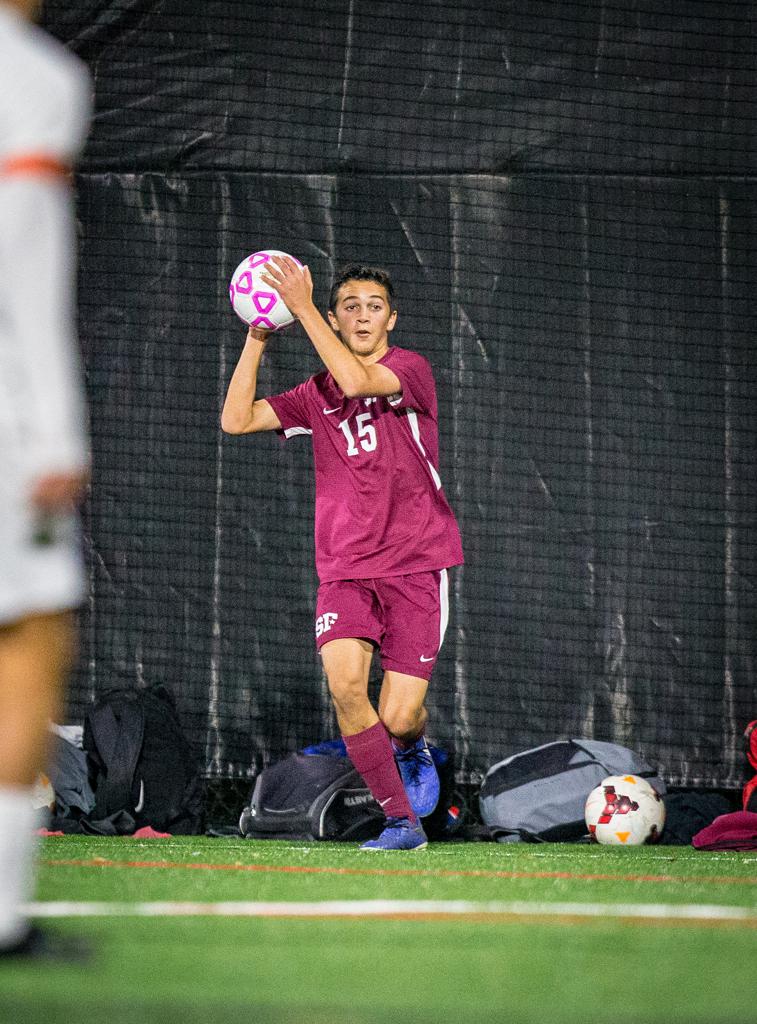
(404, 616)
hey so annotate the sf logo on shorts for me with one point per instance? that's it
(324, 622)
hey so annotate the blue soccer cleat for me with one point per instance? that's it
(399, 834)
(419, 776)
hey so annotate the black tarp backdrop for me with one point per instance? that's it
(565, 194)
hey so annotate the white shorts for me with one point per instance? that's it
(41, 565)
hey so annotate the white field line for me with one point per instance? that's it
(392, 908)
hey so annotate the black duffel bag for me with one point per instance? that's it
(311, 796)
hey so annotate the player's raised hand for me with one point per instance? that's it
(293, 283)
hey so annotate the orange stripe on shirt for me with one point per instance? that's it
(33, 164)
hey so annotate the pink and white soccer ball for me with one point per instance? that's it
(625, 810)
(255, 302)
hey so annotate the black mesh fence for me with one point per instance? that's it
(565, 195)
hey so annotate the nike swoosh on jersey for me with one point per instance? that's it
(426, 659)
(328, 412)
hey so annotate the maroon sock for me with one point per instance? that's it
(371, 753)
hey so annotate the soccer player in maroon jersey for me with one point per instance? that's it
(384, 533)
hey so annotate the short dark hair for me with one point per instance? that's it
(359, 272)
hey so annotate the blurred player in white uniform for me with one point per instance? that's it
(45, 99)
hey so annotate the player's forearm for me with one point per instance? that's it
(346, 369)
(237, 413)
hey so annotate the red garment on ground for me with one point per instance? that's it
(148, 832)
(737, 831)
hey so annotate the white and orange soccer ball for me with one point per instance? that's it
(254, 302)
(625, 810)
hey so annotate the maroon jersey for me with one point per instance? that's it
(379, 505)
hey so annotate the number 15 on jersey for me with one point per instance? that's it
(366, 434)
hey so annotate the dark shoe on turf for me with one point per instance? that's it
(47, 947)
(399, 834)
(419, 776)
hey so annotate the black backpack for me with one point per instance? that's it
(142, 765)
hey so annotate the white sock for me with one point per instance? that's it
(18, 845)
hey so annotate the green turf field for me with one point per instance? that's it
(458, 932)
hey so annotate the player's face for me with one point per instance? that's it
(363, 317)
